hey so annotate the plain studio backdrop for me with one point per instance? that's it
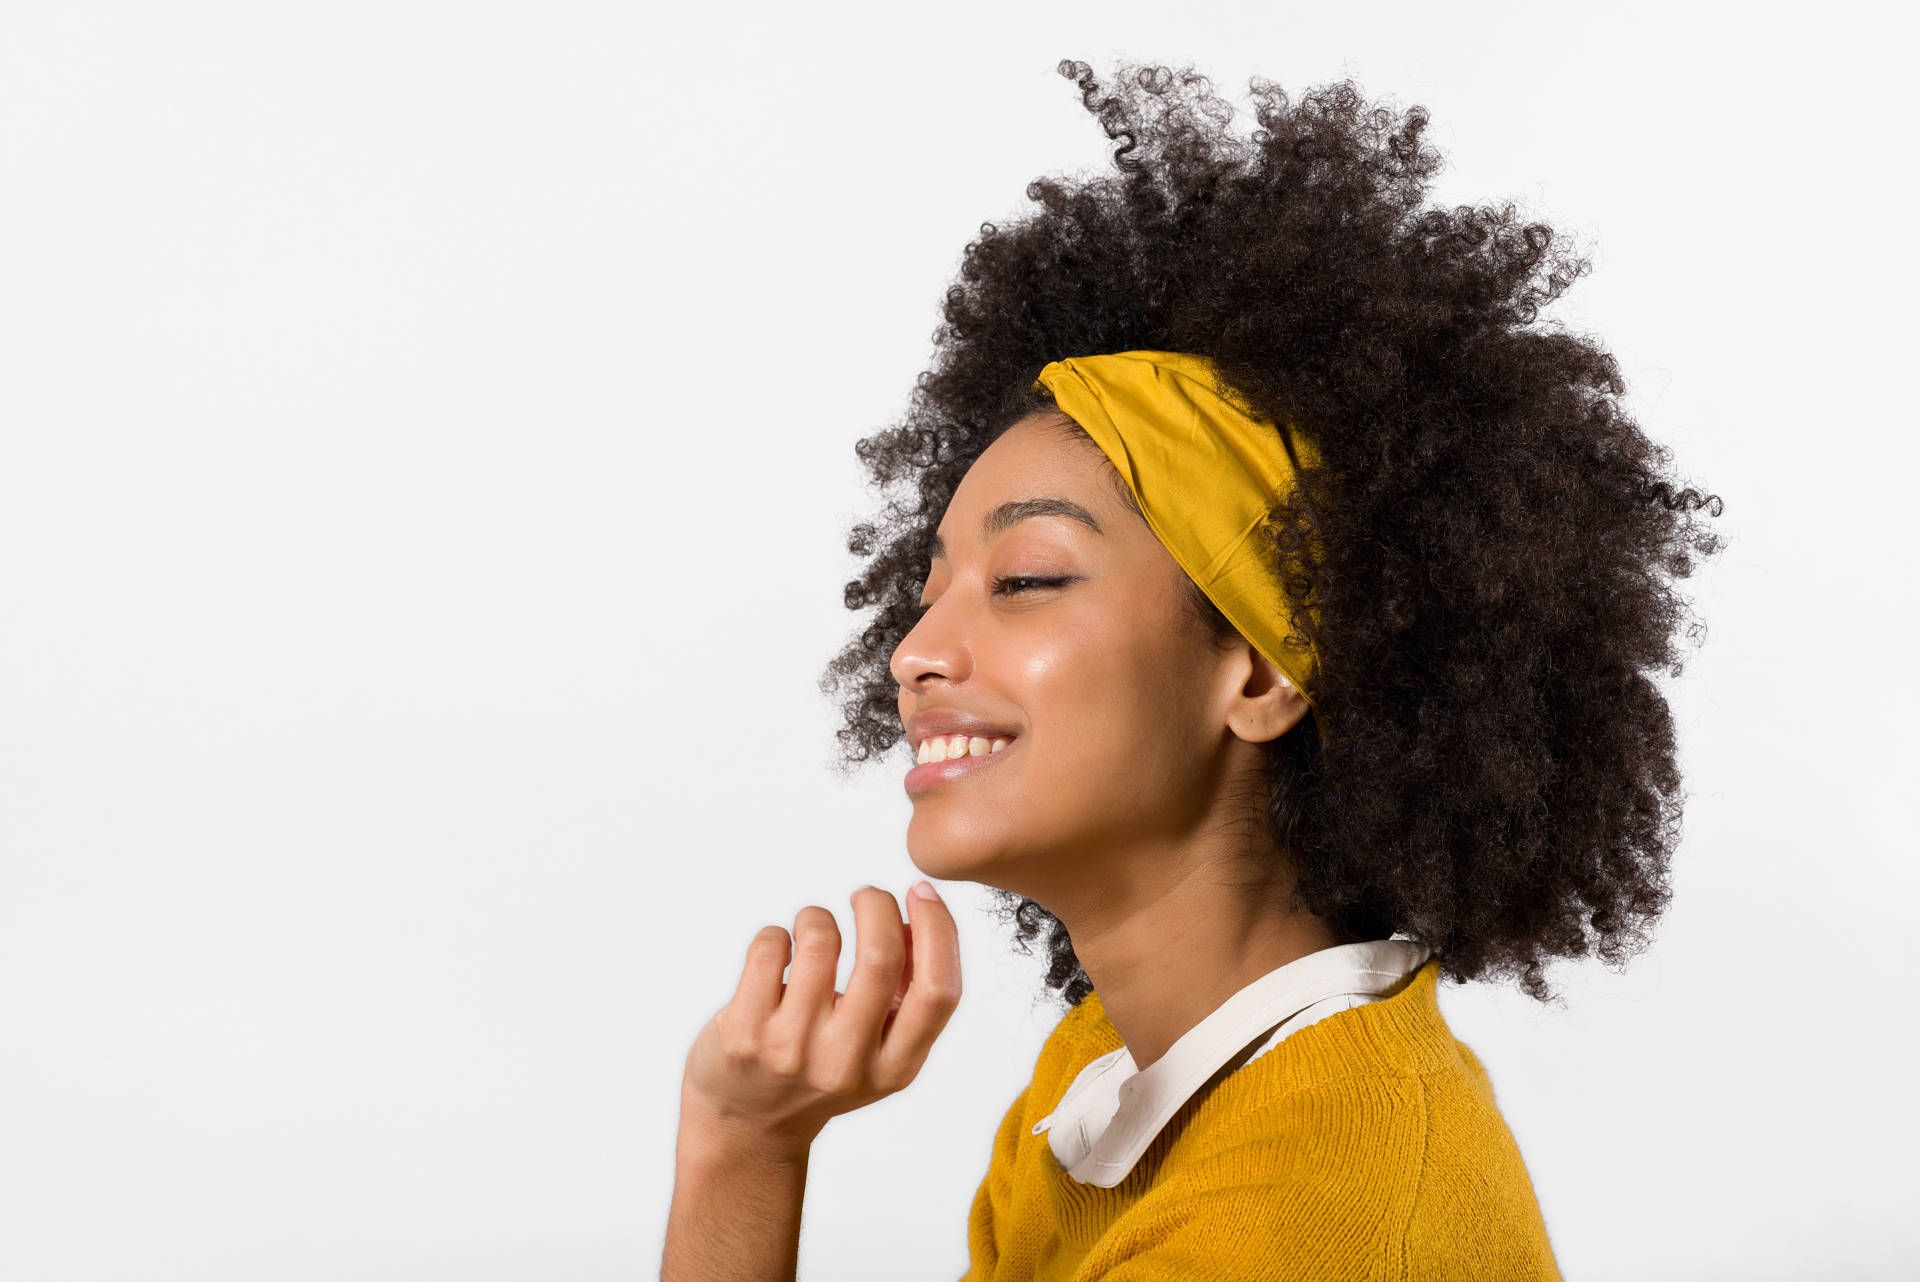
(425, 455)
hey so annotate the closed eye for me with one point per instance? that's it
(1007, 585)
(1010, 585)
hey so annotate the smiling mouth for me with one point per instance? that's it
(929, 773)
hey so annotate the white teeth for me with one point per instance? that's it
(949, 747)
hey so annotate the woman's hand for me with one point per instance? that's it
(781, 1059)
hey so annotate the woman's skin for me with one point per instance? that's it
(1128, 803)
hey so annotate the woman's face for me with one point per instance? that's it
(1056, 620)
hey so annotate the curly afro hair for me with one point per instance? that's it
(1498, 542)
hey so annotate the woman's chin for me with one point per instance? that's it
(951, 848)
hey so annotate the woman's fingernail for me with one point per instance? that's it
(924, 890)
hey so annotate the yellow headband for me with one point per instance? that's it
(1205, 471)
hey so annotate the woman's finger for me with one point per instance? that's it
(931, 997)
(816, 955)
(906, 969)
(880, 953)
(758, 994)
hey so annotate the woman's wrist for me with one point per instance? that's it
(709, 1129)
(710, 1134)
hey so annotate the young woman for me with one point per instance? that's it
(1272, 612)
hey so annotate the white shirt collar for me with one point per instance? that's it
(1112, 1111)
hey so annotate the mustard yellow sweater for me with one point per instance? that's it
(1366, 1145)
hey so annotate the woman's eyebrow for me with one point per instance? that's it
(1008, 515)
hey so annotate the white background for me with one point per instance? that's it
(425, 452)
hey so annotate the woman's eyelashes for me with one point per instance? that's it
(1007, 584)
(1013, 585)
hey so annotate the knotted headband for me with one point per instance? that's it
(1205, 471)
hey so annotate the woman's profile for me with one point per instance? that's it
(1269, 605)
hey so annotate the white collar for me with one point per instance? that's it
(1112, 1111)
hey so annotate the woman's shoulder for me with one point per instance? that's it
(1376, 1106)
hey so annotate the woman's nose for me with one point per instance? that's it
(935, 646)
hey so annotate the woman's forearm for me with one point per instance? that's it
(735, 1215)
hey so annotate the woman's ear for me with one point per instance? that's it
(1267, 704)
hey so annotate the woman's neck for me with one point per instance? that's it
(1166, 953)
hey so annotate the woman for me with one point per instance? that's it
(1272, 615)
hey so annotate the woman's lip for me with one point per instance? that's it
(935, 773)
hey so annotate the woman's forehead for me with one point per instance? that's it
(1043, 454)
